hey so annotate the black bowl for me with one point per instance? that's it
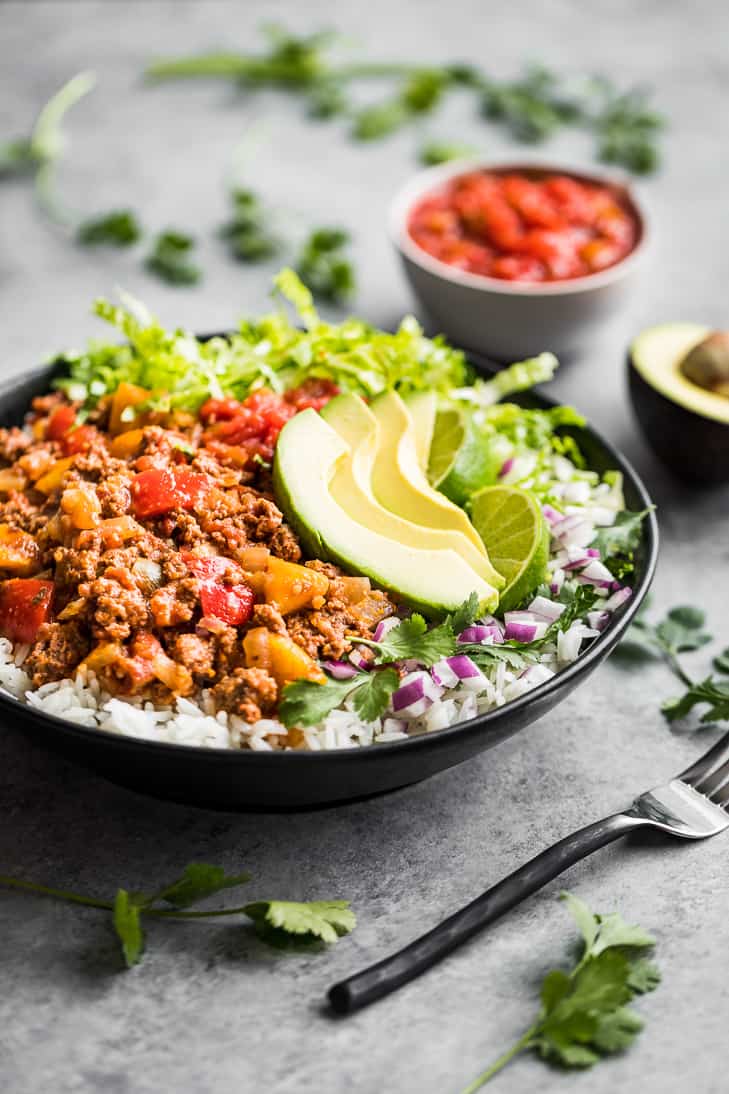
(221, 779)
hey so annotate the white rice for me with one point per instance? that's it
(195, 722)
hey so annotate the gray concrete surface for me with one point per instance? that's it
(211, 1011)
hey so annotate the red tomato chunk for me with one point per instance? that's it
(60, 422)
(255, 423)
(519, 228)
(158, 490)
(25, 604)
(232, 604)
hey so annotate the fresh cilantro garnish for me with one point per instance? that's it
(247, 233)
(373, 693)
(464, 616)
(40, 153)
(584, 1014)
(306, 703)
(411, 640)
(323, 266)
(169, 259)
(434, 152)
(532, 107)
(622, 537)
(321, 919)
(721, 661)
(118, 228)
(710, 692)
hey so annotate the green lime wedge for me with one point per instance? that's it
(510, 522)
(461, 461)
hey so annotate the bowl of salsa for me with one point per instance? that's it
(513, 259)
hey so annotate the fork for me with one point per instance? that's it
(695, 805)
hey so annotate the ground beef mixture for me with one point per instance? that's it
(149, 550)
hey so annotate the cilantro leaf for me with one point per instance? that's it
(411, 640)
(623, 537)
(305, 703)
(246, 233)
(681, 630)
(128, 927)
(434, 152)
(709, 691)
(198, 881)
(326, 920)
(169, 259)
(584, 1013)
(323, 266)
(373, 694)
(119, 228)
(644, 976)
(721, 661)
(464, 616)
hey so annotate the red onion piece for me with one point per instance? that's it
(340, 670)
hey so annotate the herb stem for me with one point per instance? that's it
(520, 1046)
(677, 669)
(59, 894)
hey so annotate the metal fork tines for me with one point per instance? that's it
(694, 805)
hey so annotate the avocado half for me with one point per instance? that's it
(686, 425)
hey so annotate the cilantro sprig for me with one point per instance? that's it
(681, 631)
(169, 258)
(247, 233)
(584, 1013)
(324, 267)
(309, 921)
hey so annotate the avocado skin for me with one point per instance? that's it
(695, 448)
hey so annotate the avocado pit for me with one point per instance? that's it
(707, 364)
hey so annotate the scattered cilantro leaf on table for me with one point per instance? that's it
(434, 152)
(721, 661)
(169, 259)
(708, 692)
(247, 233)
(325, 920)
(324, 267)
(119, 228)
(584, 1013)
(622, 537)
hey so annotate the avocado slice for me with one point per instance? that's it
(400, 484)
(686, 424)
(351, 487)
(309, 454)
(423, 406)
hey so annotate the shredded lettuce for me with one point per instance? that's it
(270, 351)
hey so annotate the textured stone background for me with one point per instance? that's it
(211, 1011)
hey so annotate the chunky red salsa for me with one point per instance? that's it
(531, 227)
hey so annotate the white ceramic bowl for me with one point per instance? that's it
(510, 320)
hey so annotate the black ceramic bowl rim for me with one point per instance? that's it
(479, 724)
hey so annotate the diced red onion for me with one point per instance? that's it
(506, 467)
(394, 725)
(618, 599)
(551, 515)
(577, 492)
(468, 673)
(546, 609)
(385, 626)
(557, 582)
(593, 552)
(360, 658)
(340, 670)
(537, 674)
(574, 531)
(416, 693)
(482, 633)
(525, 631)
(443, 674)
(598, 620)
(598, 573)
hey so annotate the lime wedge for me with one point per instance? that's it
(509, 520)
(461, 461)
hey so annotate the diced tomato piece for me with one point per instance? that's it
(158, 490)
(25, 605)
(60, 422)
(314, 393)
(79, 439)
(207, 567)
(191, 487)
(532, 201)
(219, 410)
(518, 268)
(232, 604)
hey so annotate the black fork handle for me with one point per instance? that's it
(386, 976)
